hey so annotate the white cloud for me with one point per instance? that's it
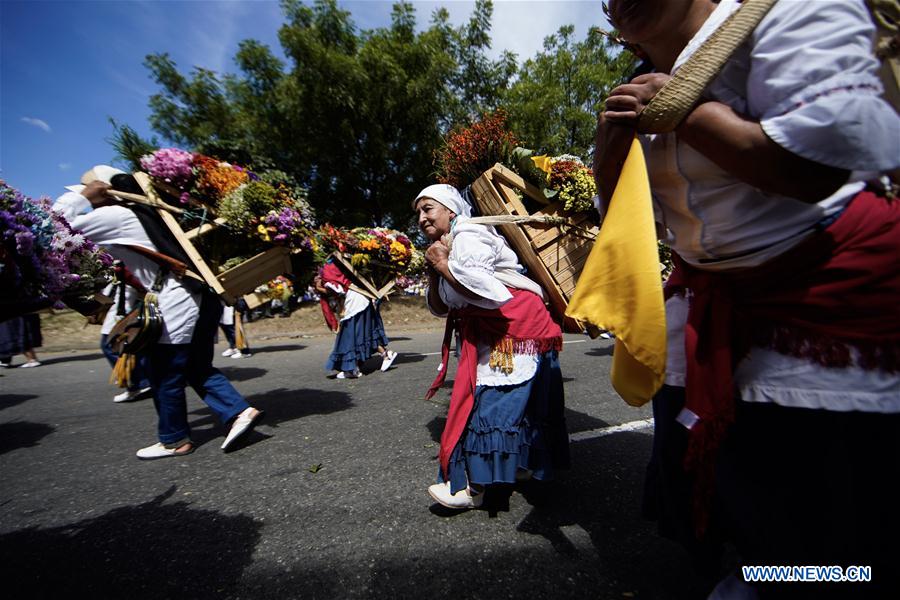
(65, 166)
(40, 124)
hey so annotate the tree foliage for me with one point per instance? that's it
(355, 116)
(554, 103)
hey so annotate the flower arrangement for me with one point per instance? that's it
(42, 259)
(194, 176)
(574, 182)
(378, 252)
(469, 151)
(269, 208)
(279, 288)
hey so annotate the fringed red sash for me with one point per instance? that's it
(524, 322)
(838, 290)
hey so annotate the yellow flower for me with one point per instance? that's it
(263, 233)
(543, 162)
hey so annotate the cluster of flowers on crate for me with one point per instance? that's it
(469, 151)
(194, 177)
(371, 249)
(42, 259)
(267, 206)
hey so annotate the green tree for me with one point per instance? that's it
(355, 116)
(553, 104)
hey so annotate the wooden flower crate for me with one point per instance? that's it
(359, 282)
(553, 254)
(235, 282)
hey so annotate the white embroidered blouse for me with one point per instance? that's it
(482, 261)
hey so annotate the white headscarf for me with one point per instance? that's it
(448, 196)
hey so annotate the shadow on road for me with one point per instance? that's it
(582, 517)
(604, 351)
(276, 348)
(10, 400)
(22, 434)
(243, 373)
(282, 405)
(158, 549)
(71, 358)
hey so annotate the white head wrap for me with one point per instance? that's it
(448, 196)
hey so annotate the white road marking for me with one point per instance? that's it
(603, 431)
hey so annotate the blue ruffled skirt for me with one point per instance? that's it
(358, 338)
(513, 427)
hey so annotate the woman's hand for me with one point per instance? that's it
(97, 193)
(611, 145)
(626, 102)
(437, 255)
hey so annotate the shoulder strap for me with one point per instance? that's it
(677, 98)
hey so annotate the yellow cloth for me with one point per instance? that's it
(620, 288)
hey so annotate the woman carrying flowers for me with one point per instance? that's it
(361, 330)
(506, 417)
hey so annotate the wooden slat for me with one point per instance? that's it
(205, 228)
(200, 265)
(158, 203)
(362, 284)
(248, 275)
(563, 254)
(515, 180)
(511, 198)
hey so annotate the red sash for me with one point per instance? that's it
(837, 290)
(524, 321)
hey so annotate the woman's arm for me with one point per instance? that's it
(739, 146)
(732, 141)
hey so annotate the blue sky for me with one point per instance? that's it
(67, 66)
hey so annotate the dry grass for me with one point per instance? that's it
(66, 330)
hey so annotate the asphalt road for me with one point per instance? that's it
(326, 499)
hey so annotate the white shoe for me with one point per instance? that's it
(160, 451)
(242, 424)
(30, 364)
(239, 354)
(230, 351)
(606, 335)
(388, 360)
(461, 500)
(4, 365)
(129, 395)
(348, 374)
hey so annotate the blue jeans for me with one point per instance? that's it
(139, 379)
(175, 366)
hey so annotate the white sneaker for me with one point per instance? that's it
(461, 500)
(129, 395)
(160, 451)
(30, 364)
(606, 335)
(230, 351)
(239, 354)
(388, 360)
(242, 424)
(4, 365)
(348, 374)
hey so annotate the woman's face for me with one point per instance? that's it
(434, 218)
(642, 20)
